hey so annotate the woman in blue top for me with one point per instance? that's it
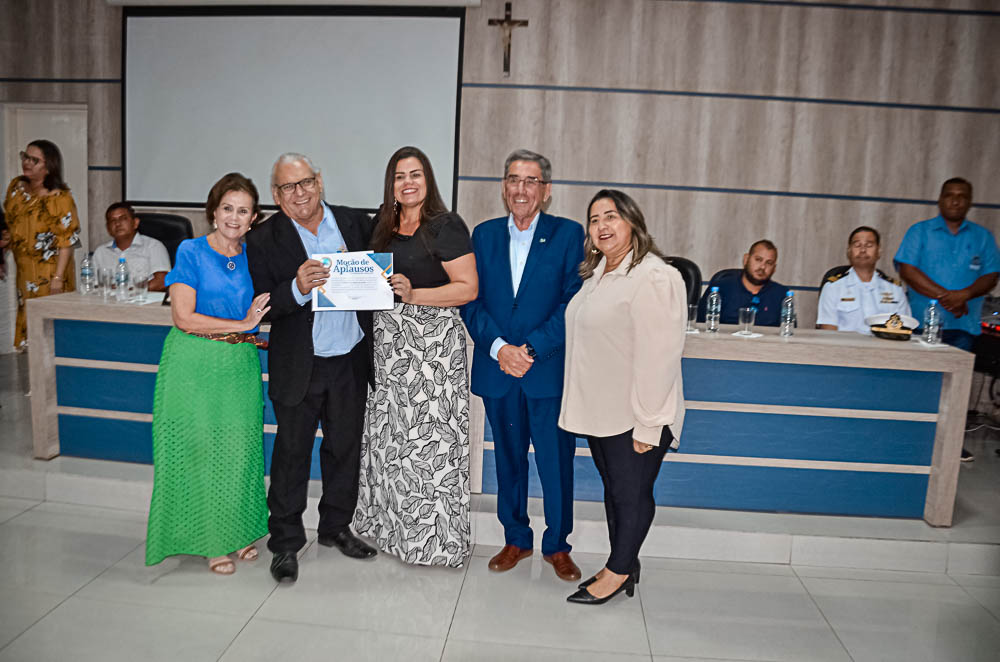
(208, 454)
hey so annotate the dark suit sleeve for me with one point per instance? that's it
(264, 279)
(550, 336)
(480, 324)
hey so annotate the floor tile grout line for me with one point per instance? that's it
(63, 601)
(244, 627)
(645, 625)
(979, 602)
(26, 510)
(458, 599)
(274, 588)
(826, 620)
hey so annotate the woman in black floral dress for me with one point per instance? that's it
(414, 479)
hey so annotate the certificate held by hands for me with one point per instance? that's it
(358, 281)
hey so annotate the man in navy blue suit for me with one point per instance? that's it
(528, 271)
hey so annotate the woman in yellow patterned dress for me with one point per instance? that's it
(44, 229)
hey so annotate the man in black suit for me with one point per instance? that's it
(319, 365)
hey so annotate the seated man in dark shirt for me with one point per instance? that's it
(750, 288)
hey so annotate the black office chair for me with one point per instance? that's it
(170, 229)
(725, 272)
(691, 275)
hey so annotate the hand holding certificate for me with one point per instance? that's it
(358, 281)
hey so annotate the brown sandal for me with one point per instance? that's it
(222, 565)
(248, 553)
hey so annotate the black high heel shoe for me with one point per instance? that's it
(587, 582)
(585, 597)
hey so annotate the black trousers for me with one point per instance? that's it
(628, 493)
(336, 399)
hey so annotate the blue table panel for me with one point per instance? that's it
(807, 437)
(708, 432)
(96, 388)
(108, 341)
(105, 439)
(770, 489)
(811, 385)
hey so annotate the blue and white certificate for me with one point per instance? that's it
(358, 281)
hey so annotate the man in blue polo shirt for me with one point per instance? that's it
(953, 260)
(750, 288)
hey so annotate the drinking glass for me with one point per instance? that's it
(140, 285)
(692, 318)
(105, 281)
(747, 318)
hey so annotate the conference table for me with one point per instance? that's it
(821, 422)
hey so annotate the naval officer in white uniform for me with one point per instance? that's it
(847, 298)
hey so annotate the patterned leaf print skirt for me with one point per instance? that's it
(414, 482)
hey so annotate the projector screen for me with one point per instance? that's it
(209, 92)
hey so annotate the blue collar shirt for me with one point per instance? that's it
(953, 261)
(334, 332)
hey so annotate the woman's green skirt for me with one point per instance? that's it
(208, 449)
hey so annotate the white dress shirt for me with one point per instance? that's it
(520, 246)
(144, 256)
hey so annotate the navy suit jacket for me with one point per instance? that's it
(536, 315)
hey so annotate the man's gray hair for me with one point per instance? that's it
(291, 157)
(528, 155)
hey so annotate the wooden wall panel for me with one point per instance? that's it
(731, 143)
(857, 54)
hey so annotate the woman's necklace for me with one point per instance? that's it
(229, 264)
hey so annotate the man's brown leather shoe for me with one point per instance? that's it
(508, 558)
(564, 566)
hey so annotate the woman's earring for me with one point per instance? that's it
(395, 205)
(594, 251)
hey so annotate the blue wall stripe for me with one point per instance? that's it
(735, 191)
(9, 79)
(105, 439)
(104, 168)
(841, 5)
(826, 101)
(712, 380)
(112, 390)
(108, 341)
(771, 489)
(807, 437)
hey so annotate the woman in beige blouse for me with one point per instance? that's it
(624, 339)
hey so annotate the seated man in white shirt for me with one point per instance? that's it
(144, 255)
(846, 299)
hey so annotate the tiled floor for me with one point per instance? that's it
(73, 586)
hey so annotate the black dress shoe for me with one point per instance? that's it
(285, 566)
(349, 544)
(588, 582)
(585, 597)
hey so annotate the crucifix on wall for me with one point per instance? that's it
(507, 25)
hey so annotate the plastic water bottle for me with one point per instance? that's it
(87, 274)
(713, 310)
(932, 323)
(788, 314)
(121, 280)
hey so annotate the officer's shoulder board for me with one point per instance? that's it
(833, 278)
(885, 276)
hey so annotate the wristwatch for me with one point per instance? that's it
(531, 350)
